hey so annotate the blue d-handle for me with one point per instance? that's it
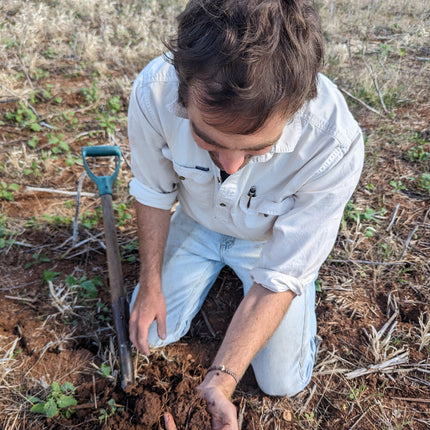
(104, 183)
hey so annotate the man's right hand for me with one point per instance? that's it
(149, 306)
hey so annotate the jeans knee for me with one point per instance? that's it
(284, 386)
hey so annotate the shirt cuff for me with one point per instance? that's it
(149, 197)
(276, 281)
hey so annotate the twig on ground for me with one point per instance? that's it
(208, 324)
(66, 193)
(375, 83)
(415, 399)
(361, 102)
(385, 367)
(408, 240)
(393, 217)
(373, 263)
(361, 417)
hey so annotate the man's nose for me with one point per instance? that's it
(231, 161)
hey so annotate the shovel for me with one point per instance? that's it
(120, 308)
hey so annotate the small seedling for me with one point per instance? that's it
(418, 154)
(24, 117)
(122, 215)
(424, 182)
(60, 399)
(397, 185)
(58, 144)
(107, 413)
(6, 191)
(49, 275)
(37, 259)
(87, 288)
(106, 370)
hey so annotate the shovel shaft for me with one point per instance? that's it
(117, 290)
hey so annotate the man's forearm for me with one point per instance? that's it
(253, 323)
(153, 227)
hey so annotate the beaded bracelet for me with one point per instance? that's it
(222, 368)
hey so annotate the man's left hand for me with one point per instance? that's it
(222, 411)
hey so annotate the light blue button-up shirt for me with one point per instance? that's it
(301, 185)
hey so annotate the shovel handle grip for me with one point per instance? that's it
(104, 183)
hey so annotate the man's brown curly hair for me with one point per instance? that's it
(241, 61)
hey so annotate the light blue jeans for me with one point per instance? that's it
(193, 258)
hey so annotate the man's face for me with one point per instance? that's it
(230, 151)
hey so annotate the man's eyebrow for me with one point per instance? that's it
(209, 140)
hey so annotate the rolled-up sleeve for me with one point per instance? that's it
(304, 236)
(154, 181)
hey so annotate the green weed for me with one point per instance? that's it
(7, 190)
(122, 214)
(91, 94)
(24, 117)
(33, 141)
(37, 259)
(109, 412)
(397, 185)
(58, 144)
(60, 399)
(418, 154)
(424, 182)
(49, 276)
(87, 288)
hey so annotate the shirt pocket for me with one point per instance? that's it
(194, 183)
(262, 212)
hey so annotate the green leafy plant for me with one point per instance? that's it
(87, 288)
(122, 214)
(106, 370)
(91, 219)
(114, 104)
(129, 251)
(32, 170)
(106, 413)
(91, 94)
(33, 141)
(6, 191)
(397, 185)
(103, 312)
(37, 259)
(418, 154)
(58, 143)
(424, 182)
(107, 122)
(49, 276)
(24, 117)
(60, 399)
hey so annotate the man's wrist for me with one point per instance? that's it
(224, 369)
(220, 380)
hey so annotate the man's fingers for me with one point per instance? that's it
(169, 422)
(139, 336)
(161, 327)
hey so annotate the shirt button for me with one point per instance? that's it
(181, 178)
(222, 204)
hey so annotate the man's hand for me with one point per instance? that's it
(149, 306)
(214, 389)
(222, 411)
